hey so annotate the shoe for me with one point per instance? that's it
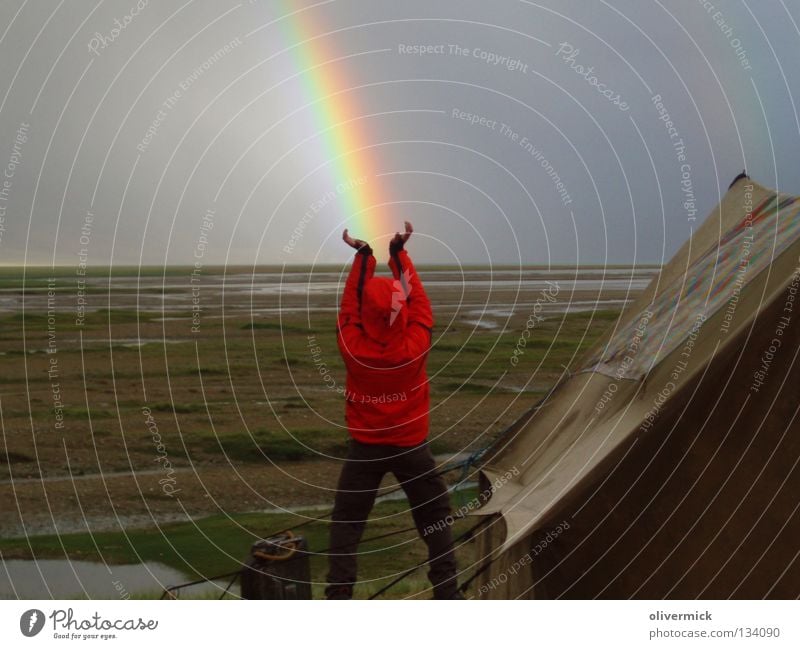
(451, 595)
(338, 591)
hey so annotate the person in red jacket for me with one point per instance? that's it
(384, 335)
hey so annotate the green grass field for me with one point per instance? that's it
(242, 413)
(217, 545)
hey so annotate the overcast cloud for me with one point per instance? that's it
(586, 169)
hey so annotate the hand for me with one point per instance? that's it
(399, 240)
(358, 244)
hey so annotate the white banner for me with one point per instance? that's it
(389, 624)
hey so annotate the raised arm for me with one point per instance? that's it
(361, 271)
(420, 315)
(417, 302)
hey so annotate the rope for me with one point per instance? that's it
(473, 459)
(295, 549)
(371, 538)
(410, 571)
(466, 464)
(391, 491)
(463, 587)
(230, 583)
(169, 589)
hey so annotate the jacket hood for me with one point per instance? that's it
(383, 309)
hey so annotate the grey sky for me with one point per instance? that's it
(74, 126)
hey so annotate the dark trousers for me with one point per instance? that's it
(414, 468)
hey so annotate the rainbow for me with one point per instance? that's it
(362, 202)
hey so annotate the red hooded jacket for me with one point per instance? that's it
(384, 335)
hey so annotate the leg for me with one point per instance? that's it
(430, 505)
(355, 496)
